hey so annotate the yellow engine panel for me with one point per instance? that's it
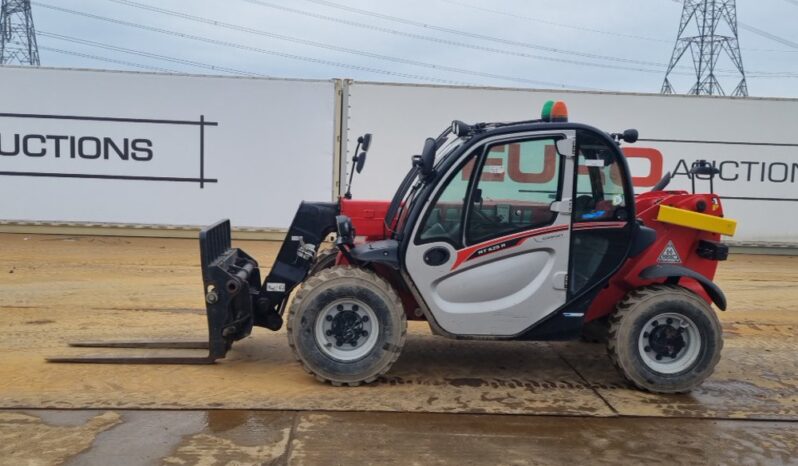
(690, 219)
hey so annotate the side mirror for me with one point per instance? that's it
(361, 160)
(428, 157)
(702, 167)
(365, 142)
(630, 136)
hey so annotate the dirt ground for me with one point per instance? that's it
(55, 289)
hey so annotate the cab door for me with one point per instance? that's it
(490, 254)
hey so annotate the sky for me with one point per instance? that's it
(613, 45)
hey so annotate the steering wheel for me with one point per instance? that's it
(486, 226)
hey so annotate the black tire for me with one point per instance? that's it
(325, 259)
(627, 331)
(319, 293)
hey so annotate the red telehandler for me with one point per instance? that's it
(527, 230)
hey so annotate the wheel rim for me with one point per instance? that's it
(669, 343)
(347, 330)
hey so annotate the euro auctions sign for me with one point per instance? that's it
(102, 147)
(747, 170)
(145, 148)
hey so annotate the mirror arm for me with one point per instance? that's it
(348, 193)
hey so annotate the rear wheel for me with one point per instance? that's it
(665, 339)
(346, 326)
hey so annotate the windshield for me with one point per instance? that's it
(405, 196)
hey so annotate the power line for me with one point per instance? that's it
(132, 64)
(768, 35)
(148, 54)
(455, 43)
(661, 66)
(225, 44)
(552, 23)
(517, 15)
(249, 47)
(105, 59)
(474, 35)
(336, 48)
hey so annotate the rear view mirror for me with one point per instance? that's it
(428, 155)
(628, 135)
(361, 160)
(426, 160)
(365, 142)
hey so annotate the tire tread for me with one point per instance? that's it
(623, 311)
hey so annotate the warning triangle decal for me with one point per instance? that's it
(669, 255)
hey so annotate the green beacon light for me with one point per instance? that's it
(545, 114)
(554, 111)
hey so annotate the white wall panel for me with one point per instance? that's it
(265, 146)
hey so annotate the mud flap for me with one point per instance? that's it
(659, 271)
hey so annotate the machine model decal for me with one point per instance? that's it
(669, 255)
(480, 250)
(495, 247)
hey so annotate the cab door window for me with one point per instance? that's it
(599, 197)
(599, 186)
(444, 219)
(517, 184)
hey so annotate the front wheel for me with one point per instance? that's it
(346, 326)
(665, 339)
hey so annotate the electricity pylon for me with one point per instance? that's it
(707, 45)
(17, 35)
